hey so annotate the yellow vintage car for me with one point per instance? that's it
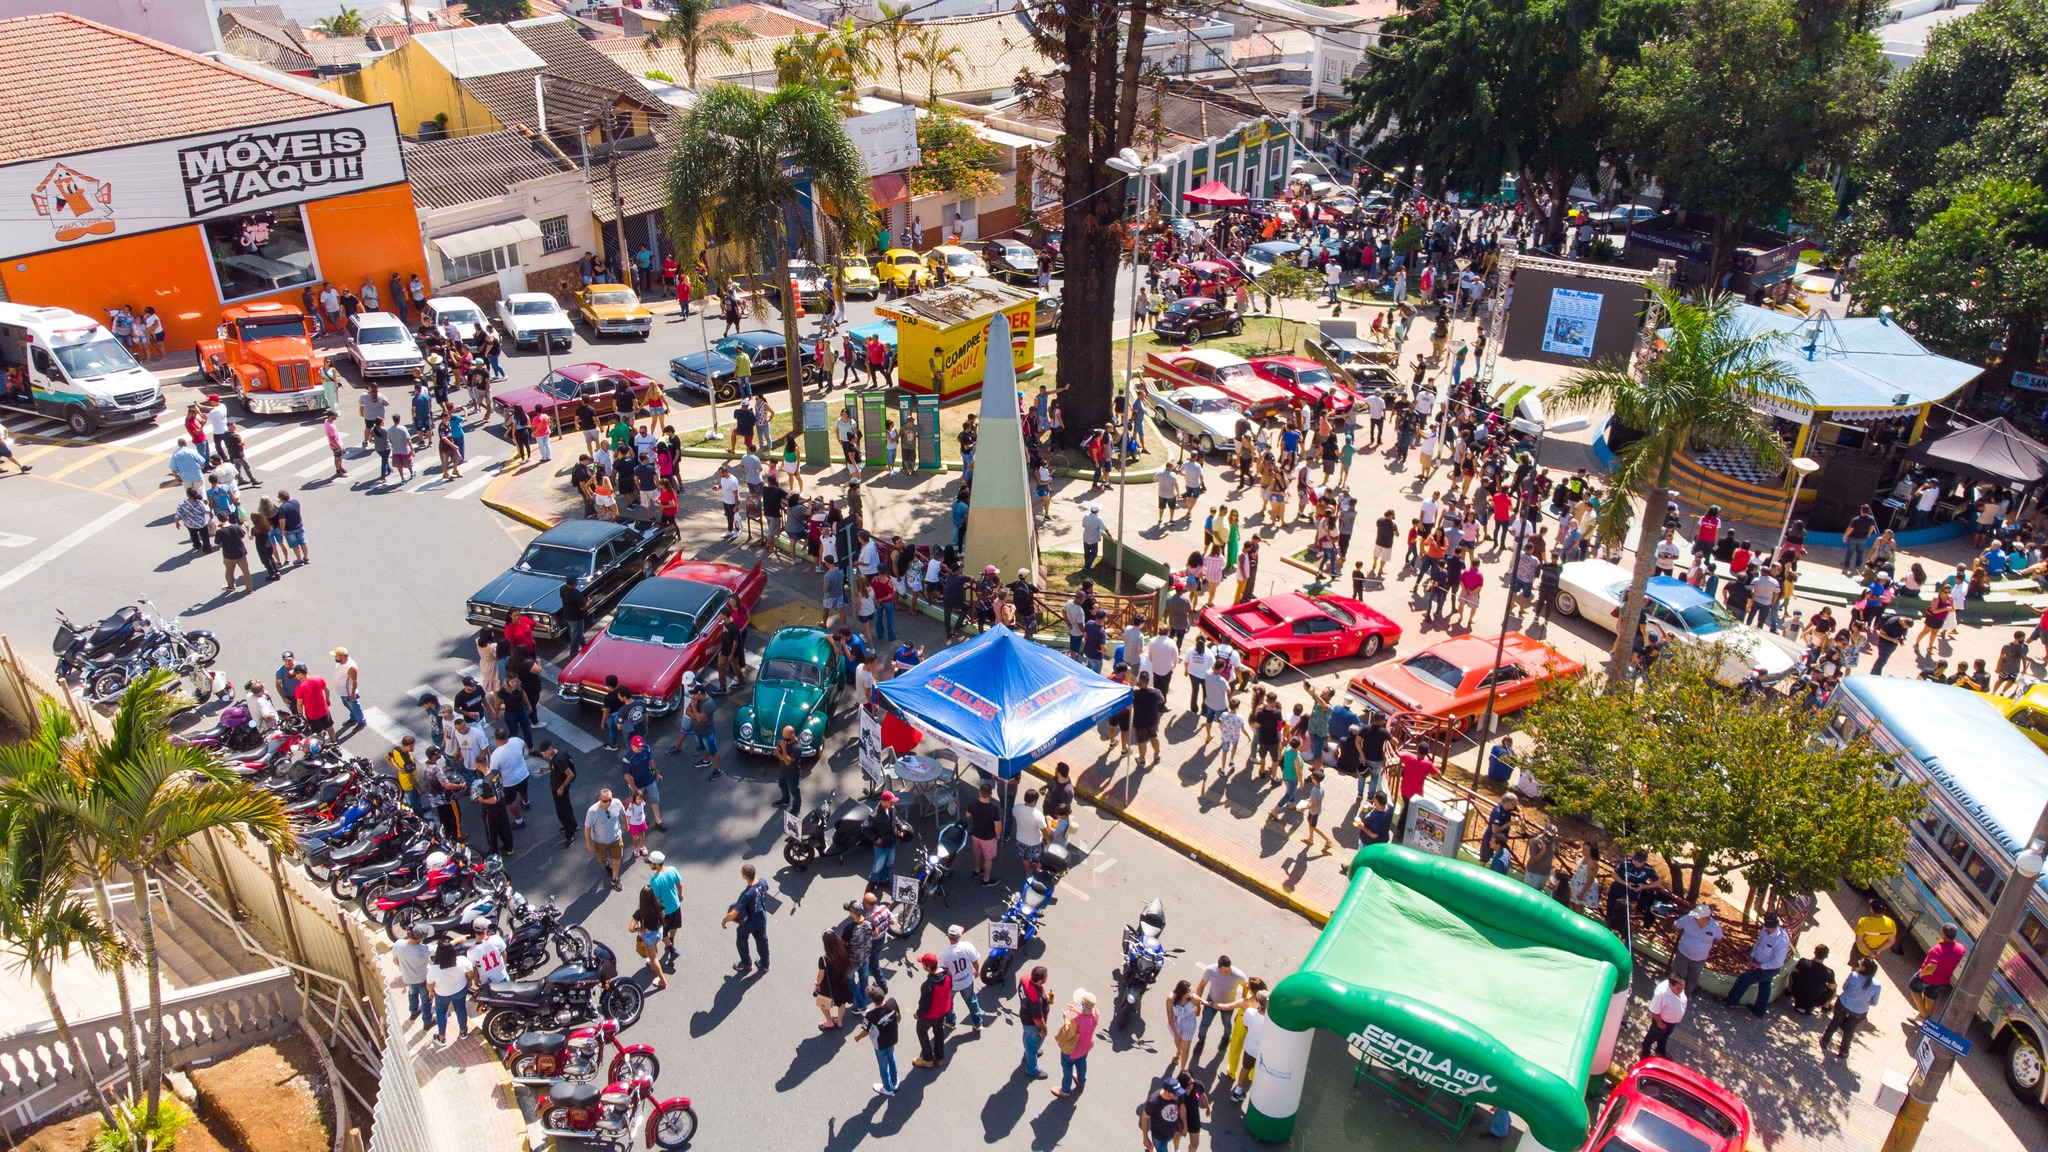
(2028, 712)
(614, 310)
(858, 277)
(897, 266)
(958, 262)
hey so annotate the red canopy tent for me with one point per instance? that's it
(1216, 194)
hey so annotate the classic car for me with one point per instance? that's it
(1623, 218)
(460, 311)
(1202, 412)
(603, 557)
(1204, 274)
(711, 372)
(1308, 381)
(614, 310)
(899, 266)
(796, 687)
(1192, 318)
(1045, 314)
(1676, 611)
(1289, 628)
(1262, 256)
(2028, 712)
(381, 345)
(1451, 680)
(813, 284)
(531, 317)
(1363, 365)
(1663, 1106)
(1228, 374)
(959, 263)
(661, 629)
(1011, 260)
(858, 278)
(559, 391)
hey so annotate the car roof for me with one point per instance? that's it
(902, 252)
(801, 639)
(1214, 357)
(609, 288)
(948, 249)
(1465, 652)
(1289, 361)
(1674, 593)
(440, 303)
(378, 320)
(756, 339)
(589, 368)
(1209, 265)
(1194, 301)
(727, 576)
(1289, 606)
(673, 594)
(1195, 392)
(516, 297)
(582, 533)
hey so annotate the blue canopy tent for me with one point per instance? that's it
(1000, 701)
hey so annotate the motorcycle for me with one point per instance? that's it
(848, 831)
(586, 989)
(580, 1111)
(438, 869)
(533, 930)
(1144, 960)
(365, 883)
(540, 1057)
(1023, 911)
(933, 867)
(234, 731)
(437, 898)
(104, 658)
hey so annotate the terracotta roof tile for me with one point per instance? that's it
(463, 169)
(73, 85)
(762, 20)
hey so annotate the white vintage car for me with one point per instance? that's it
(531, 317)
(1678, 613)
(1202, 412)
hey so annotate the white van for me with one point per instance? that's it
(55, 362)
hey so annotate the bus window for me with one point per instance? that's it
(1952, 842)
(1932, 822)
(1986, 878)
(2035, 932)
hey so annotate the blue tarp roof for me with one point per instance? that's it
(1002, 701)
(1859, 362)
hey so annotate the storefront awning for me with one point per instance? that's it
(890, 189)
(486, 238)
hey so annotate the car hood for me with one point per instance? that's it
(522, 590)
(777, 704)
(643, 669)
(703, 364)
(557, 322)
(528, 398)
(619, 311)
(1774, 654)
(384, 352)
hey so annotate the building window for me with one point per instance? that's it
(554, 234)
(260, 253)
(476, 264)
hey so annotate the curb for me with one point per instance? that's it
(493, 498)
(1259, 884)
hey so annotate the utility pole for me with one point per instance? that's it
(611, 131)
(1972, 980)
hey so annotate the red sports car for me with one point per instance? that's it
(1663, 1106)
(1229, 374)
(559, 391)
(1289, 628)
(1451, 680)
(1305, 380)
(660, 630)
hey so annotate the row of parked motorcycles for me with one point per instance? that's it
(102, 659)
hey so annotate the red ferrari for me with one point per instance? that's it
(1451, 680)
(1663, 1106)
(561, 390)
(1305, 380)
(661, 629)
(1289, 628)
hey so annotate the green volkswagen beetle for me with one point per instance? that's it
(799, 680)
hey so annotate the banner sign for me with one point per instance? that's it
(1376, 1045)
(1003, 937)
(1574, 317)
(870, 745)
(887, 141)
(86, 197)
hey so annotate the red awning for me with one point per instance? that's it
(890, 189)
(1216, 194)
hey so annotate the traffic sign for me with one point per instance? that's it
(1954, 1042)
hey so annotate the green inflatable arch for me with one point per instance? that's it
(1478, 985)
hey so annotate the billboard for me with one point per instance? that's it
(66, 201)
(887, 140)
(1562, 318)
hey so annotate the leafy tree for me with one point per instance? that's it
(953, 157)
(1727, 113)
(1676, 766)
(345, 22)
(1694, 391)
(1472, 89)
(732, 172)
(834, 61)
(1974, 273)
(933, 54)
(895, 37)
(496, 11)
(690, 28)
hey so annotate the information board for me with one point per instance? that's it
(874, 432)
(929, 456)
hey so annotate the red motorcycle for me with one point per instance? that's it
(544, 1057)
(608, 1116)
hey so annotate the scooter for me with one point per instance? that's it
(234, 731)
(541, 1057)
(1144, 960)
(933, 867)
(573, 1110)
(848, 831)
(1023, 911)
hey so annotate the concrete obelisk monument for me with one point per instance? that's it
(1000, 527)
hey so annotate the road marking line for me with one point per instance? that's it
(271, 443)
(34, 425)
(419, 692)
(166, 445)
(1105, 866)
(35, 563)
(478, 461)
(471, 488)
(124, 474)
(149, 433)
(574, 737)
(10, 540)
(385, 726)
(91, 458)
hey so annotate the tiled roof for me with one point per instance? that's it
(570, 56)
(264, 43)
(268, 22)
(643, 183)
(748, 57)
(462, 169)
(73, 84)
(762, 20)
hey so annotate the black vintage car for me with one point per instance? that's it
(1011, 260)
(605, 558)
(711, 372)
(1192, 318)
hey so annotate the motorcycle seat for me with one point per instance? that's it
(116, 628)
(573, 1094)
(516, 990)
(543, 1042)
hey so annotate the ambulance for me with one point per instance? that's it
(57, 363)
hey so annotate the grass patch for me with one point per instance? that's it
(1063, 571)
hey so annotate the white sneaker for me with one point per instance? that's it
(881, 1091)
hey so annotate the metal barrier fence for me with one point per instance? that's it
(399, 1121)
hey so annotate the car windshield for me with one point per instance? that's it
(1236, 372)
(852, 262)
(1692, 1107)
(1317, 377)
(1433, 669)
(94, 358)
(1649, 1132)
(1336, 611)
(1183, 307)
(618, 299)
(380, 335)
(732, 346)
(906, 261)
(560, 386)
(1707, 617)
(535, 308)
(785, 671)
(554, 560)
(282, 327)
(460, 315)
(652, 625)
(959, 258)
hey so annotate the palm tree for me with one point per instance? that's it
(346, 22)
(732, 173)
(895, 37)
(687, 28)
(1696, 392)
(833, 61)
(935, 54)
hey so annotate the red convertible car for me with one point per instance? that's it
(559, 391)
(1305, 380)
(1450, 681)
(660, 630)
(1290, 628)
(1227, 373)
(1663, 1106)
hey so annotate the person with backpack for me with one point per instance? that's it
(934, 1001)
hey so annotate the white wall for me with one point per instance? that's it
(560, 194)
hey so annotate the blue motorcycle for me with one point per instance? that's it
(1023, 910)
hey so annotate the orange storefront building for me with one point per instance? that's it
(134, 174)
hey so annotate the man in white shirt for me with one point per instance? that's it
(1376, 418)
(1076, 617)
(1028, 824)
(1198, 662)
(1697, 935)
(508, 760)
(962, 960)
(729, 498)
(1667, 553)
(1667, 1008)
(1191, 481)
(870, 561)
(466, 743)
(604, 830)
(1162, 656)
(1092, 528)
(1169, 494)
(488, 954)
(1432, 510)
(1767, 956)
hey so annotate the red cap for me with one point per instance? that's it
(887, 798)
(929, 961)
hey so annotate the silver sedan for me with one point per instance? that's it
(1202, 412)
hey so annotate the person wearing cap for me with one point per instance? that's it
(750, 912)
(604, 833)
(561, 774)
(1697, 935)
(1161, 1118)
(1667, 1009)
(697, 724)
(934, 1012)
(667, 884)
(405, 767)
(286, 686)
(962, 960)
(412, 955)
(881, 1019)
(642, 777)
(884, 831)
(1092, 528)
(487, 954)
(1767, 957)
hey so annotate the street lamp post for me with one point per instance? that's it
(1539, 430)
(1802, 468)
(1961, 1006)
(1127, 163)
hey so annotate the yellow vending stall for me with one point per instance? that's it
(942, 334)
